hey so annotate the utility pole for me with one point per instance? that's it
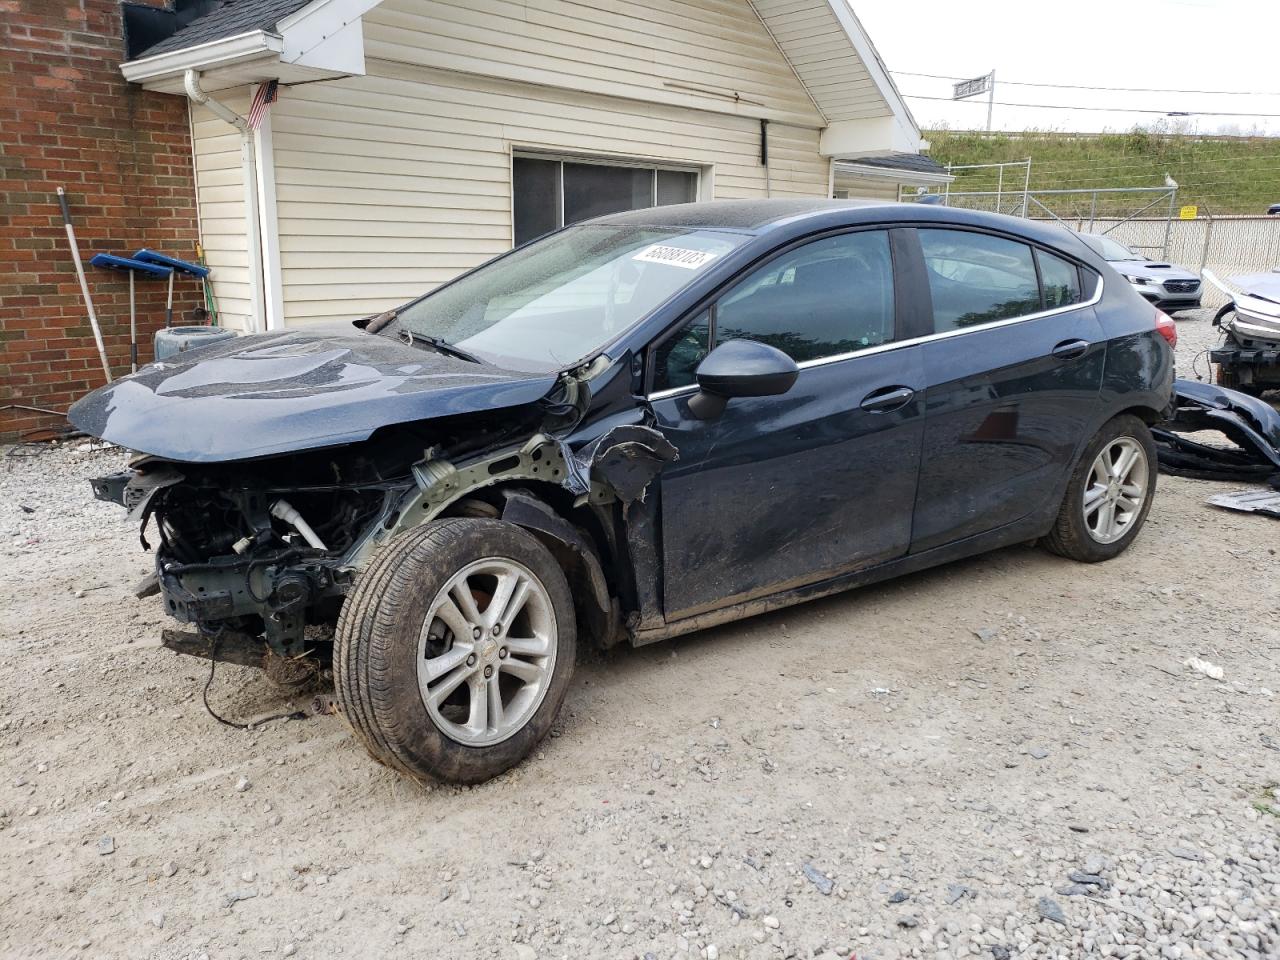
(991, 97)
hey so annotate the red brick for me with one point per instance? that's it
(124, 156)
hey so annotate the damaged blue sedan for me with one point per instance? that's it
(631, 429)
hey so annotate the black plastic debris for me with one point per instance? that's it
(1251, 426)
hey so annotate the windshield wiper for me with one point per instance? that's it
(439, 346)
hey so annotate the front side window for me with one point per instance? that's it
(549, 194)
(975, 278)
(558, 301)
(825, 298)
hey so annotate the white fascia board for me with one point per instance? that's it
(844, 168)
(866, 137)
(326, 34)
(216, 53)
(875, 67)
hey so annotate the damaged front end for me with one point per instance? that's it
(258, 555)
(250, 553)
(1251, 426)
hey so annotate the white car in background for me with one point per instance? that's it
(1169, 287)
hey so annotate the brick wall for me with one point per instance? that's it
(67, 118)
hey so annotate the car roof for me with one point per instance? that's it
(765, 216)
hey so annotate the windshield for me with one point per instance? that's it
(1108, 249)
(559, 300)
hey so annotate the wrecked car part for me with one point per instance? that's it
(282, 510)
(586, 573)
(1252, 425)
(624, 459)
(1264, 502)
(1249, 357)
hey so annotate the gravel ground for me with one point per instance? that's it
(1004, 757)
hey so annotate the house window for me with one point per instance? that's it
(550, 193)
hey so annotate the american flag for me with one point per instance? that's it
(262, 100)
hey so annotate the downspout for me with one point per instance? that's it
(249, 172)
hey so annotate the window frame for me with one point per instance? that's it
(913, 301)
(904, 301)
(631, 163)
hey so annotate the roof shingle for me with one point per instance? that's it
(231, 19)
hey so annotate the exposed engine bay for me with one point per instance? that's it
(253, 553)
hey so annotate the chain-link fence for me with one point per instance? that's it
(1226, 245)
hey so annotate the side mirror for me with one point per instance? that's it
(740, 368)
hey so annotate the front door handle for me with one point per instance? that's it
(1071, 349)
(886, 399)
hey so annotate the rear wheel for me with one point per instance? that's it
(455, 649)
(1109, 494)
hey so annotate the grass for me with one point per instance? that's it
(1221, 175)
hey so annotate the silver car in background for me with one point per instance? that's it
(1169, 287)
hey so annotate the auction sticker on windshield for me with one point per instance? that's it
(675, 256)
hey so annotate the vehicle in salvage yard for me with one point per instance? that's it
(1163, 285)
(634, 428)
(1248, 359)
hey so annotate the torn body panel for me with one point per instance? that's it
(263, 547)
(1252, 426)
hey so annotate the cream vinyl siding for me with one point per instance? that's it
(220, 195)
(394, 182)
(817, 48)
(711, 54)
(866, 188)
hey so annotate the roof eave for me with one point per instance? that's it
(874, 65)
(894, 174)
(205, 56)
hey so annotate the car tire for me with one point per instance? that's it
(400, 642)
(1093, 535)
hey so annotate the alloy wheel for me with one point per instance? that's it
(487, 651)
(1116, 490)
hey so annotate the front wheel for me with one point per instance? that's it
(1109, 494)
(455, 649)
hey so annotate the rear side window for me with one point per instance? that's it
(975, 278)
(1061, 281)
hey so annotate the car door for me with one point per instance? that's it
(786, 490)
(1014, 371)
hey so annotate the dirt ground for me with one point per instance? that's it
(1004, 757)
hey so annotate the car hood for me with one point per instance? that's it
(273, 393)
(1151, 270)
(1265, 286)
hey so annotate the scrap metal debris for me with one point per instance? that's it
(1264, 502)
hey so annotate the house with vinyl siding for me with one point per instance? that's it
(410, 140)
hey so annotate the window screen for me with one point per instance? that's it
(1060, 279)
(976, 278)
(549, 194)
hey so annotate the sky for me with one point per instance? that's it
(1168, 45)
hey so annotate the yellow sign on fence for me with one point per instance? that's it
(1189, 212)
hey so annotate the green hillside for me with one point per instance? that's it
(1223, 175)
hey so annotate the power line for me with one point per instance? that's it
(1080, 86)
(1060, 106)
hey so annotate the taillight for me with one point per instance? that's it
(1166, 327)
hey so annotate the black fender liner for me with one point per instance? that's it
(577, 553)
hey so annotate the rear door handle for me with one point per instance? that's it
(886, 399)
(1071, 349)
